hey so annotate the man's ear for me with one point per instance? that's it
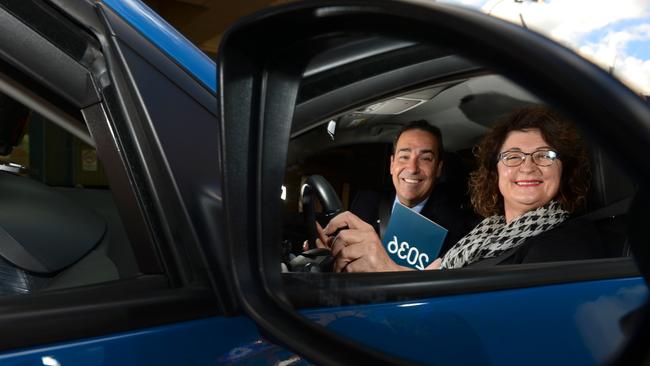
(439, 172)
(390, 167)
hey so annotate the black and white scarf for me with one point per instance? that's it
(493, 236)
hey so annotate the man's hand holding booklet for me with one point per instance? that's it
(412, 240)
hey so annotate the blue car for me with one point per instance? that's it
(154, 209)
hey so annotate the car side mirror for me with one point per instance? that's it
(261, 63)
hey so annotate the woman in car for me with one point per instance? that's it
(532, 175)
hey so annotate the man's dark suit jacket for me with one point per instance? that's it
(375, 207)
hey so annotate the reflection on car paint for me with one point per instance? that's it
(538, 324)
(261, 352)
(600, 322)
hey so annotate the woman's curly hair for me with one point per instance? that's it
(557, 132)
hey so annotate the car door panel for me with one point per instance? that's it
(215, 340)
(577, 323)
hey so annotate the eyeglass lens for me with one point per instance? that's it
(516, 158)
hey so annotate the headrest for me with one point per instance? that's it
(41, 230)
(610, 184)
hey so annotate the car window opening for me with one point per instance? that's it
(357, 164)
(59, 226)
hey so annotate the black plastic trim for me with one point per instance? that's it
(99, 310)
(103, 132)
(351, 52)
(129, 118)
(82, 12)
(43, 101)
(340, 289)
(51, 24)
(36, 56)
(374, 65)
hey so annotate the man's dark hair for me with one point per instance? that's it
(424, 126)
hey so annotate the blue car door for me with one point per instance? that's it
(113, 204)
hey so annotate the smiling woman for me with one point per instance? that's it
(527, 202)
(527, 183)
(498, 183)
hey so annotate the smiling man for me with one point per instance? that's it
(416, 163)
(415, 166)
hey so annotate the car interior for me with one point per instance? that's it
(59, 226)
(356, 96)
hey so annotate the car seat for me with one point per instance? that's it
(608, 201)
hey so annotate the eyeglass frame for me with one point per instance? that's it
(502, 154)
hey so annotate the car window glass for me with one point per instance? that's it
(352, 150)
(59, 226)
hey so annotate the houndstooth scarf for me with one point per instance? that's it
(493, 236)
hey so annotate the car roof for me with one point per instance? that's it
(168, 39)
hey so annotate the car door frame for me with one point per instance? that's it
(173, 285)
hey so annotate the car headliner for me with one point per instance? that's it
(462, 109)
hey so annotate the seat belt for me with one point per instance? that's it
(611, 210)
(385, 209)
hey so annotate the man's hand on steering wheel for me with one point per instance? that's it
(356, 247)
(322, 240)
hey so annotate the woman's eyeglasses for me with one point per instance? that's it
(539, 157)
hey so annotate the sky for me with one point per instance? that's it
(614, 34)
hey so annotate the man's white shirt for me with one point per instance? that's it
(417, 208)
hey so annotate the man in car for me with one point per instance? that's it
(415, 166)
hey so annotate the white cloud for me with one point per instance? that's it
(571, 21)
(475, 4)
(635, 73)
(568, 21)
(613, 45)
(611, 52)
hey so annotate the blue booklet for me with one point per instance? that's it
(411, 239)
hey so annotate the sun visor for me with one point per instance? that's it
(42, 231)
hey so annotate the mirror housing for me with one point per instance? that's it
(260, 65)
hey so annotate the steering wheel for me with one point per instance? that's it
(316, 259)
(317, 186)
